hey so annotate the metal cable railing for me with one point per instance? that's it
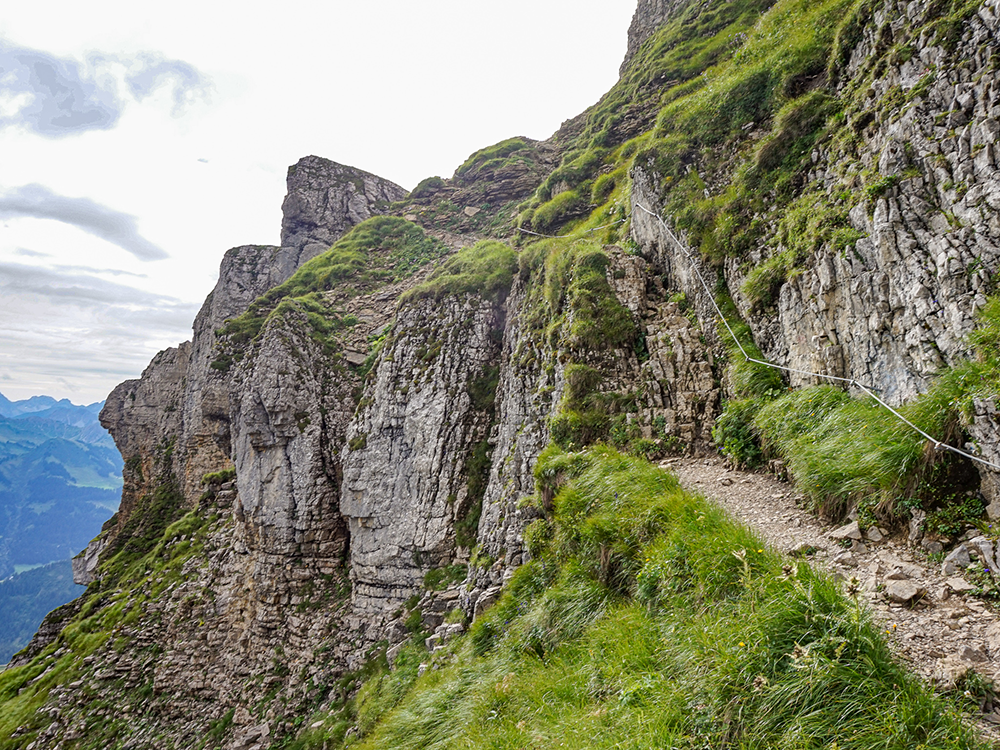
(938, 445)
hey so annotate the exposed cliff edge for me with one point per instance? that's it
(366, 437)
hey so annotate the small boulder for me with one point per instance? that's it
(957, 560)
(850, 531)
(949, 672)
(846, 559)
(932, 546)
(973, 655)
(959, 585)
(904, 592)
(486, 600)
(993, 638)
(917, 525)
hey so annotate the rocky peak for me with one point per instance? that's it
(324, 200)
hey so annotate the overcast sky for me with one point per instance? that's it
(140, 141)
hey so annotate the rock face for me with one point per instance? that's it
(648, 17)
(180, 396)
(897, 307)
(413, 446)
(324, 200)
(277, 418)
(287, 420)
(290, 503)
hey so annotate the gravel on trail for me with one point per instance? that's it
(933, 621)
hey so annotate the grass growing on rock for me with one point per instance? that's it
(108, 607)
(381, 250)
(727, 645)
(487, 269)
(846, 452)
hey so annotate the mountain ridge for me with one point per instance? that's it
(382, 430)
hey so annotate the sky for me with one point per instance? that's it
(139, 141)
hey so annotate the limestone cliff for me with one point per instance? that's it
(648, 17)
(343, 459)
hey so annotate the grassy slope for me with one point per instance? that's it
(648, 619)
(376, 252)
(107, 608)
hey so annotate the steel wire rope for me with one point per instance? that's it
(938, 445)
(572, 234)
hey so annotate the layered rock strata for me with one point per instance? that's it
(346, 457)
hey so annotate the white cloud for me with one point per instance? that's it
(37, 201)
(58, 96)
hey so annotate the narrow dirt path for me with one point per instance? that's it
(941, 637)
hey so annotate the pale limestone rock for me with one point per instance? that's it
(406, 469)
(850, 531)
(325, 199)
(904, 592)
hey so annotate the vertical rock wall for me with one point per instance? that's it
(289, 417)
(897, 306)
(410, 447)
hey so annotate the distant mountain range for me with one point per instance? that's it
(60, 480)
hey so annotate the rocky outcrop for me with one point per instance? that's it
(899, 306)
(181, 398)
(895, 308)
(528, 393)
(324, 200)
(277, 549)
(412, 449)
(288, 418)
(648, 17)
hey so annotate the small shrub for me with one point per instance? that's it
(735, 435)
(220, 477)
(603, 187)
(438, 579)
(426, 188)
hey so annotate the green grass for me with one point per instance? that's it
(381, 250)
(571, 296)
(486, 269)
(727, 644)
(848, 452)
(496, 152)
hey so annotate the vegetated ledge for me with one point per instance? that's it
(378, 251)
(648, 618)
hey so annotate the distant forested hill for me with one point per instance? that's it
(60, 480)
(26, 598)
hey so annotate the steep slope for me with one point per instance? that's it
(384, 427)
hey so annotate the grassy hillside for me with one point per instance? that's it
(648, 619)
